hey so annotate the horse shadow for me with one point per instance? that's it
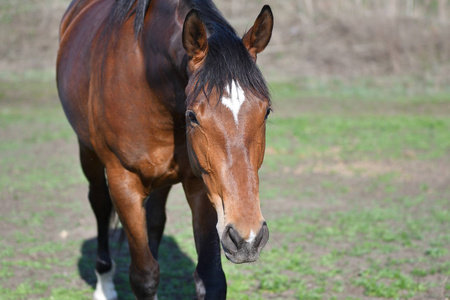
(176, 268)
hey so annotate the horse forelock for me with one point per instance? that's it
(228, 62)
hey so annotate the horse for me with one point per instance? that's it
(161, 92)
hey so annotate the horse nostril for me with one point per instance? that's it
(235, 237)
(231, 239)
(262, 237)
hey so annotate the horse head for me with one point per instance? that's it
(227, 107)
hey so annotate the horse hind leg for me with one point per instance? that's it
(102, 206)
(155, 211)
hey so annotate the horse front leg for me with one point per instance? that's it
(209, 277)
(128, 195)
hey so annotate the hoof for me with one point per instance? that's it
(104, 289)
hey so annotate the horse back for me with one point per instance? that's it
(80, 27)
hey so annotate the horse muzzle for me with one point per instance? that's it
(238, 250)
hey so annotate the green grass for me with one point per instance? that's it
(346, 122)
(396, 285)
(382, 89)
(367, 231)
(361, 137)
(345, 237)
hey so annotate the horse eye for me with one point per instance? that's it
(191, 117)
(269, 110)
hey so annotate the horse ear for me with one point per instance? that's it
(257, 37)
(195, 40)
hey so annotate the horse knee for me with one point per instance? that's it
(144, 283)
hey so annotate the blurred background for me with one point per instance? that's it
(320, 38)
(355, 185)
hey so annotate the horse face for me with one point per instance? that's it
(226, 142)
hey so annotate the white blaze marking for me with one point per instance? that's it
(251, 237)
(234, 99)
(105, 286)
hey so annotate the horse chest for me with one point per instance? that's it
(159, 167)
(154, 161)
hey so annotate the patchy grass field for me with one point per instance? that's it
(355, 189)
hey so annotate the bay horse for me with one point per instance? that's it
(161, 92)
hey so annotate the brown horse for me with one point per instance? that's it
(160, 92)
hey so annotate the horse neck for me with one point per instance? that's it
(162, 39)
(164, 27)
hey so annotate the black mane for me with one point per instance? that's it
(121, 10)
(227, 60)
